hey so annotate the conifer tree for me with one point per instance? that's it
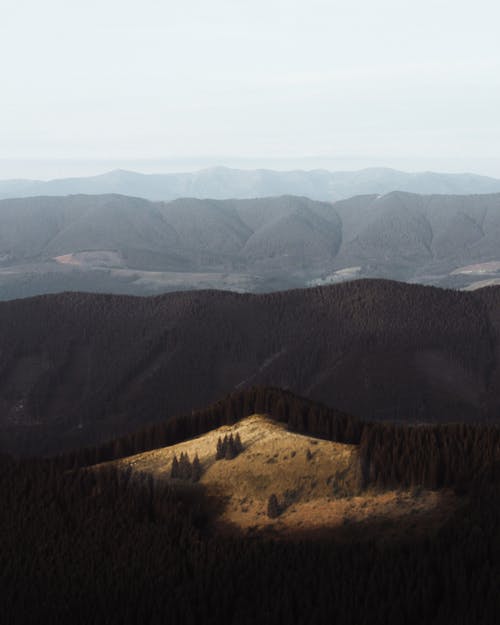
(185, 469)
(196, 469)
(228, 447)
(174, 471)
(230, 451)
(238, 446)
(220, 451)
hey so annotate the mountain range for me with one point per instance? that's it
(81, 368)
(119, 244)
(224, 182)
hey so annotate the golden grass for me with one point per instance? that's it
(318, 480)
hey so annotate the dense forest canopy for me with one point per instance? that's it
(105, 545)
(90, 544)
(77, 369)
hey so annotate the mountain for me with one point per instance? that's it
(119, 244)
(113, 243)
(79, 368)
(223, 182)
(422, 238)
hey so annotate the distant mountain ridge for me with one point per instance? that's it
(119, 244)
(224, 182)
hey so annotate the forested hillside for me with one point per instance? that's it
(128, 245)
(434, 456)
(142, 554)
(79, 368)
(144, 550)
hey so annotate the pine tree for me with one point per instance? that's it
(185, 469)
(196, 469)
(230, 451)
(174, 471)
(229, 447)
(220, 451)
(238, 446)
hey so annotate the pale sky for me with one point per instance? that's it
(380, 80)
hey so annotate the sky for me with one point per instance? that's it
(167, 84)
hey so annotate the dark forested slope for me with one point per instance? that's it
(98, 547)
(78, 368)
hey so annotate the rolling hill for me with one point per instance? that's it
(81, 368)
(317, 484)
(118, 244)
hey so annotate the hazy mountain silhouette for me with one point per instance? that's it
(223, 182)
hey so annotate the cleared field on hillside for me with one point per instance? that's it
(317, 483)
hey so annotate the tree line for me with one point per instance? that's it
(302, 415)
(433, 456)
(391, 455)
